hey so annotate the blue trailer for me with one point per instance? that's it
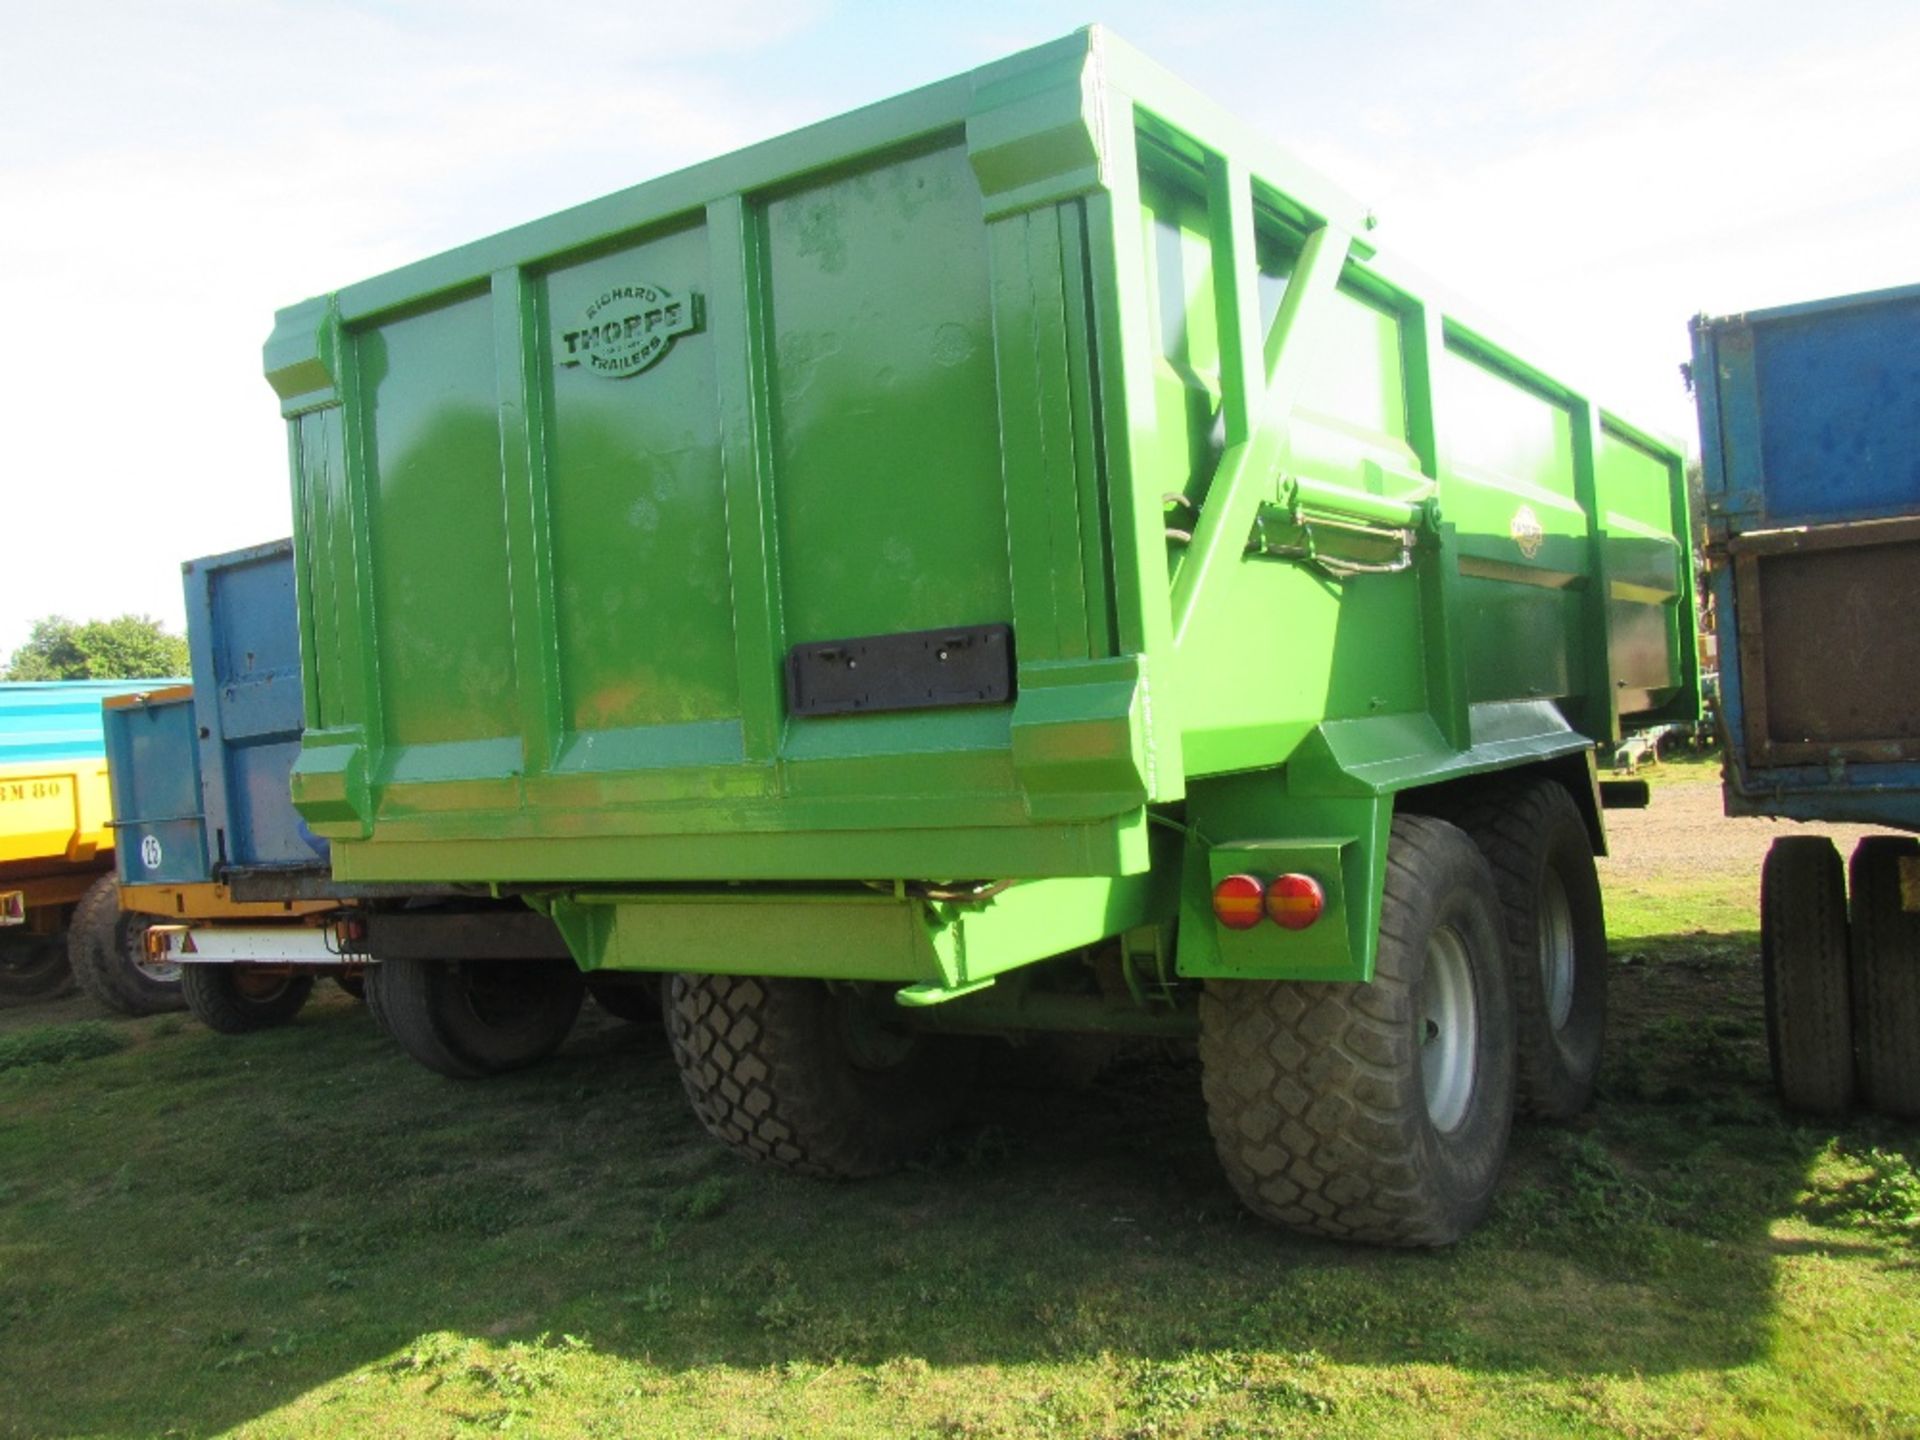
(1810, 447)
(217, 871)
(200, 773)
(244, 641)
(199, 780)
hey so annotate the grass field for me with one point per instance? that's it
(302, 1233)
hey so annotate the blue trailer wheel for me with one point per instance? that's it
(1885, 964)
(1803, 965)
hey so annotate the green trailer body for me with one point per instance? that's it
(950, 535)
(1055, 346)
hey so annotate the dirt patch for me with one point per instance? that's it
(1685, 834)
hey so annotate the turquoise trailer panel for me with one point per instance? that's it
(153, 771)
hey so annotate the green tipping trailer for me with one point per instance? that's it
(1012, 558)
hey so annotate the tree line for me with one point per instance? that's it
(130, 647)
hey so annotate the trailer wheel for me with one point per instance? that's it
(235, 999)
(470, 1018)
(106, 946)
(376, 1007)
(810, 1077)
(1376, 1112)
(1885, 964)
(1542, 858)
(34, 967)
(630, 997)
(1803, 971)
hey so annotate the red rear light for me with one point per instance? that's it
(1293, 901)
(1239, 901)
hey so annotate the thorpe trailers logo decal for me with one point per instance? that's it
(627, 329)
(1527, 532)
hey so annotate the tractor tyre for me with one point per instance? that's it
(1376, 1112)
(237, 999)
(469, 1018)
(817, 1079)
(1885, 964)
(1542, 859)
(107, 947)
(33, 967)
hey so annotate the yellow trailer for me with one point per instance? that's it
(56, 817)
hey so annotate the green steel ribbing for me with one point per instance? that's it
(1220, 537)
(1236, 296)
(1042, 499)
(1095, 541)
(303, 585)
(1600, 707)
(1685, 707)
(522, 404)
(351, 523)
(736, 315)
(1444, 667)
(1122, 320)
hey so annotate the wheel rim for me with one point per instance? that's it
(501, 994)
(259, 989)
(1556, 950)
(1449, 1029)
(872, 1043)
(136, 954)
(28, 964)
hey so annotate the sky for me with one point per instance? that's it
(174, 171)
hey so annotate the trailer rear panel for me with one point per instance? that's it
(54, 805)
(1810, 435)
(932, 493)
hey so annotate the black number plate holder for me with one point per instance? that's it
(916, 670)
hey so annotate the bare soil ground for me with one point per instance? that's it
(1684, 832)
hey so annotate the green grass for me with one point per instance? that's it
(301, 1233)
(57, 1044)
(1713, 906)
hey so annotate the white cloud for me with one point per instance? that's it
(1593, 177)
(170, 174)
(173, 175)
